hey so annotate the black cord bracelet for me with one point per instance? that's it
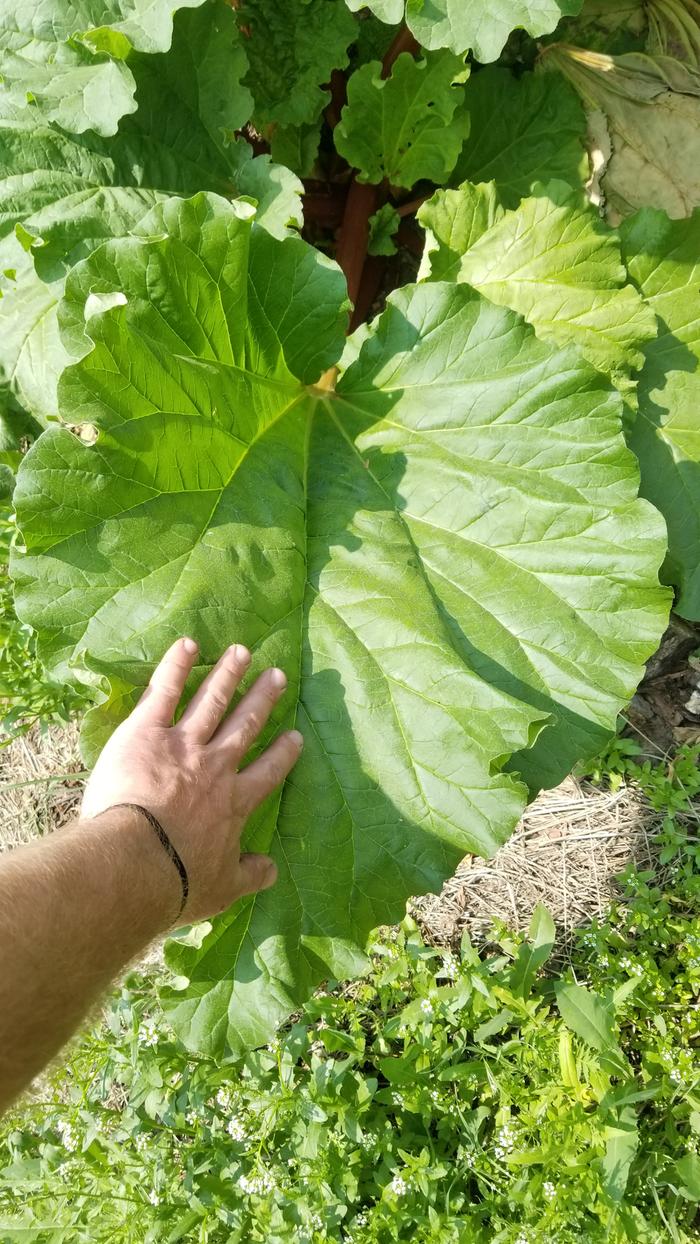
(166, 844)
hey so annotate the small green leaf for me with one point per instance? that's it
(534, 952)
(382, 227)
(406, 127)
(621, 1144)
(591, 1019)
(688, 1169)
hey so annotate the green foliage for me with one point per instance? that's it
(434, 527)
(408, 127)
(74, 71)
(446, 1097)
(28, 695)
(551, 260)
(522, 131)
(663, 258)
(462, 25)
(210, 342)
(292, 50)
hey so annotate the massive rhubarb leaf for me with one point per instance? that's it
(523, 130)
(407, 127)
(70, 59)
(552, 259)
(70, 193)
(663, 257)
(444, 553)
(651, 105)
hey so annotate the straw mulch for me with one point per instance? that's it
(568, 850)
(37, 793)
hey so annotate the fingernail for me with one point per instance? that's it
(278, 679)
(297, 737)
(270, 876)
(190, 645)
(240, 654)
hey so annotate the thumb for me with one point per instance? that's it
(257, 872)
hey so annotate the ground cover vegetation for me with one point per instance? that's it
(451, 1095)
(325, 340)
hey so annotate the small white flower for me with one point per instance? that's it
(191, 1117)
(549, 1189)
(450, 966)
(235, 1128)
(317, 1222)
(257, 1184)
(224, 1098)
(70, 1143)
(323, 1022)
(398, 1186)
(274, 1046)
(148, 1033)
(153, 1197)
(675, 1076)
(140, 1142)
(361, 1220)
(426, 1006)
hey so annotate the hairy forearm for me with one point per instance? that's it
(75, 908)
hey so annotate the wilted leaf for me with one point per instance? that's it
(409, 126)
(523, 130)
(663, 258)
(674, 30)
(74, 71)
(653, 112)
(551, 259)
(366, 539)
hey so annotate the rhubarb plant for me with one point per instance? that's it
(323, 346)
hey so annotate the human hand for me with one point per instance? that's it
(186, 774)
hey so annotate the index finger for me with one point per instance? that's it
(159, 701)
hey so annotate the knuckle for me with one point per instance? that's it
(252, 725)
(217, 701)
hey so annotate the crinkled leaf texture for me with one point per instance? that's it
(409, 126)
(70, 58)
(663, 258)
(293, 48)
(551, 259)
(76, 191)
(446, 553)
(522, 130)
